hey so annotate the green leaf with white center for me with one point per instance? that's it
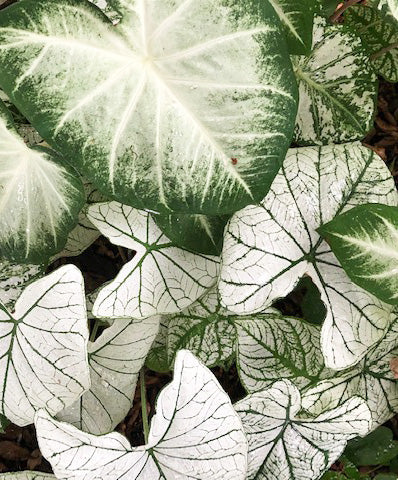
(157, 357)
(13, 279)
(161, 278)
(195, 435)
(115, 359)
(43, 347)
(285, 446)
(198, 233)
(269, 247)
(186, 72)
(372, 379)
(337, 88)
(40, 198)
(271, 346)
(27, 476)
(379, 33)
(365, 241)
(297, 17)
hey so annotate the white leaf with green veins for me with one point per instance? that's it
(285, 446)
(268, 248)
(393, 6)
(271, 346)
(27, 476)
(195, 435)
(40, 198)
(337, 88)
(115, 359)
(43, 347)
(172, 81)
(372, 379)
(160, 279)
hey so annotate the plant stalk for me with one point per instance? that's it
(337, 14)
(144, 412)
(94, 331)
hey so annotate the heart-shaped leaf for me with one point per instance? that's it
(195, 434)
(187, 78)
(43, 346)
(157, 359)
(115, 359)
(160, 279)
(40, 198)
(268, 248)
(337, 88)
(27, 476)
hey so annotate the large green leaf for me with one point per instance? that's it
(365, 241)
(284, 445)
(268, 248)
(40, 198)
(380, 35)
(337, 88)
(151, 111)
(377, 448)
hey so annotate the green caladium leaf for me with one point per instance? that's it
(195, 434)
(372, 379)
(379, 33)
(297, 18)
(269, 247)
(365, 241)
(157, 359)
(160, 279)
(271, 346)
(43, 346)
(377, 448)
(337, 88)
(283, 445)
(187, 78)
(198, 233)
(115, 359)
(27, 476)
(40, 198)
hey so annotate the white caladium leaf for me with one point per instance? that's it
(285, 446)
(40, 198)
(13, 279)
(372, 379)
(337, 88)
(269, 247)
(195, 434)
(393, 6)
(187, 77)
(271, 346)
(43, 347)
(115, 359)
(160, 279)
(27, 476)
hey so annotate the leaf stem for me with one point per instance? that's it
(384, 50)
(337, 14)
(144, 412)
(94, 331)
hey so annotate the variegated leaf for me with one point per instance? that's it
(187, 77)
(337, 88)
(40, 198)
(285, 446)
(195, 435)
(269, 247)
(393, 6)
(157, 359)
(160, 279)
(27, 476)
(115, 359)
(43, 347)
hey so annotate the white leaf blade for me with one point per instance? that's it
(27, 476)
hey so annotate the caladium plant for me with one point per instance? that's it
(215, 144)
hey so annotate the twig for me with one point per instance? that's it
(337, 14)
(144, 412)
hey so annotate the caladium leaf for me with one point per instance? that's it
(283, 445)
(195, 434)
(27, 476)
(160, 279)
(297, 18)
(43, 345)
(198, 233)
(270, 347)
(373, 380)
(40, 198)
(157, 359)
(115, 359)
(380, 35)
(337, 88)
(393, 6)
(365, 240)
(187, 78)
(268, 248)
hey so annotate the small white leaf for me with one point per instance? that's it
(115, 359)
(195, 435)
(160, 279)
(43, 347)
(283, 446)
